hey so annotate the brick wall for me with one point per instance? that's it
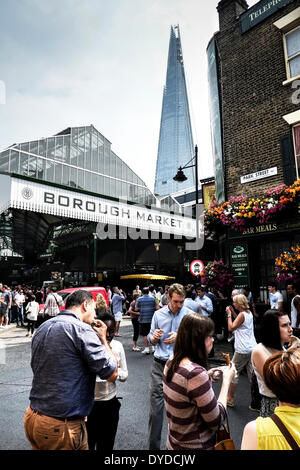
(252, 69)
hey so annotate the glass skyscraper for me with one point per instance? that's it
(175, 146)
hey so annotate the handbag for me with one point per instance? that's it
(291, 441)
(223, 439)
(30, 315)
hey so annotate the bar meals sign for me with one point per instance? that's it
(260, 12)
(259, 175)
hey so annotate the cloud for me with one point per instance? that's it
(81, 62)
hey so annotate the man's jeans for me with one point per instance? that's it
(20, 315)
(157, 406)
(46, 433)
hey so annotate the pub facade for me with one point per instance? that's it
(254, 83)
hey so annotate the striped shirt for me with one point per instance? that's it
(193, 412)
(147, 305)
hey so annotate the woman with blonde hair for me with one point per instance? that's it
(101, 306)
(244, 340)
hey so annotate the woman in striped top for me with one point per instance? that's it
(193, 412)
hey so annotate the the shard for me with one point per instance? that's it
(175, 146)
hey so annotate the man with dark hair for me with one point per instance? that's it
(5, 305)
(293, 292)
(67, 354)
(204, 302)
(275, 297)
(189, 302)
(147, 306)
(52, 304)
(39, 295)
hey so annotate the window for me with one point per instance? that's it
(73, 177)
(51, 147)
(24, 164)
(5, 160)
(14, 162)
(88, 181)
(59, 148)
(34, 147)
(32, 166)
(292, 52)
(42, 147)
(41, 168)
(66, 175)
(296, 133)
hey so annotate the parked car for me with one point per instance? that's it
(65, 292)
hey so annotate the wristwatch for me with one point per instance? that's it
(228, 316)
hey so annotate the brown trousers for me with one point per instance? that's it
(46, 433)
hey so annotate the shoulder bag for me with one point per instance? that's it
(223, 439)
(291, 441)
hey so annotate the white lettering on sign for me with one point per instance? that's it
(256, 14)
(259, 175)
(42, 198)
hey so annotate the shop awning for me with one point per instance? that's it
(153, 277)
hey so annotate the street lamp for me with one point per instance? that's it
(180, 178)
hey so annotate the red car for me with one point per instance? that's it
(65, 292)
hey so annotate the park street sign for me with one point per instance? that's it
(259, 175)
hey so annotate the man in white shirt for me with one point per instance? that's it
(205, 304)
(295, 304)
(275, 297)
(52, 304)
(20, 300)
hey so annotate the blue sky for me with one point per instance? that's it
(80, 62)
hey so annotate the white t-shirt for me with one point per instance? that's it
(20, 298)
(107, 390)
(275, 299)
(294, 314)
(244, 339)
(34, 311)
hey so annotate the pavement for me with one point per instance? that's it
(16, 379)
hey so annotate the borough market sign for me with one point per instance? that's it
(26, 195)
(260, 12)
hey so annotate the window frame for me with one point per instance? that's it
(287, 59)
(295, 152)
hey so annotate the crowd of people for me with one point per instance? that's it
(178, 325)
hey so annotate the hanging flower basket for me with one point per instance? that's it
(287, 265)
(217, 275)
(241, 212)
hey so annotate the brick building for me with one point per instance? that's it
(254, 77)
